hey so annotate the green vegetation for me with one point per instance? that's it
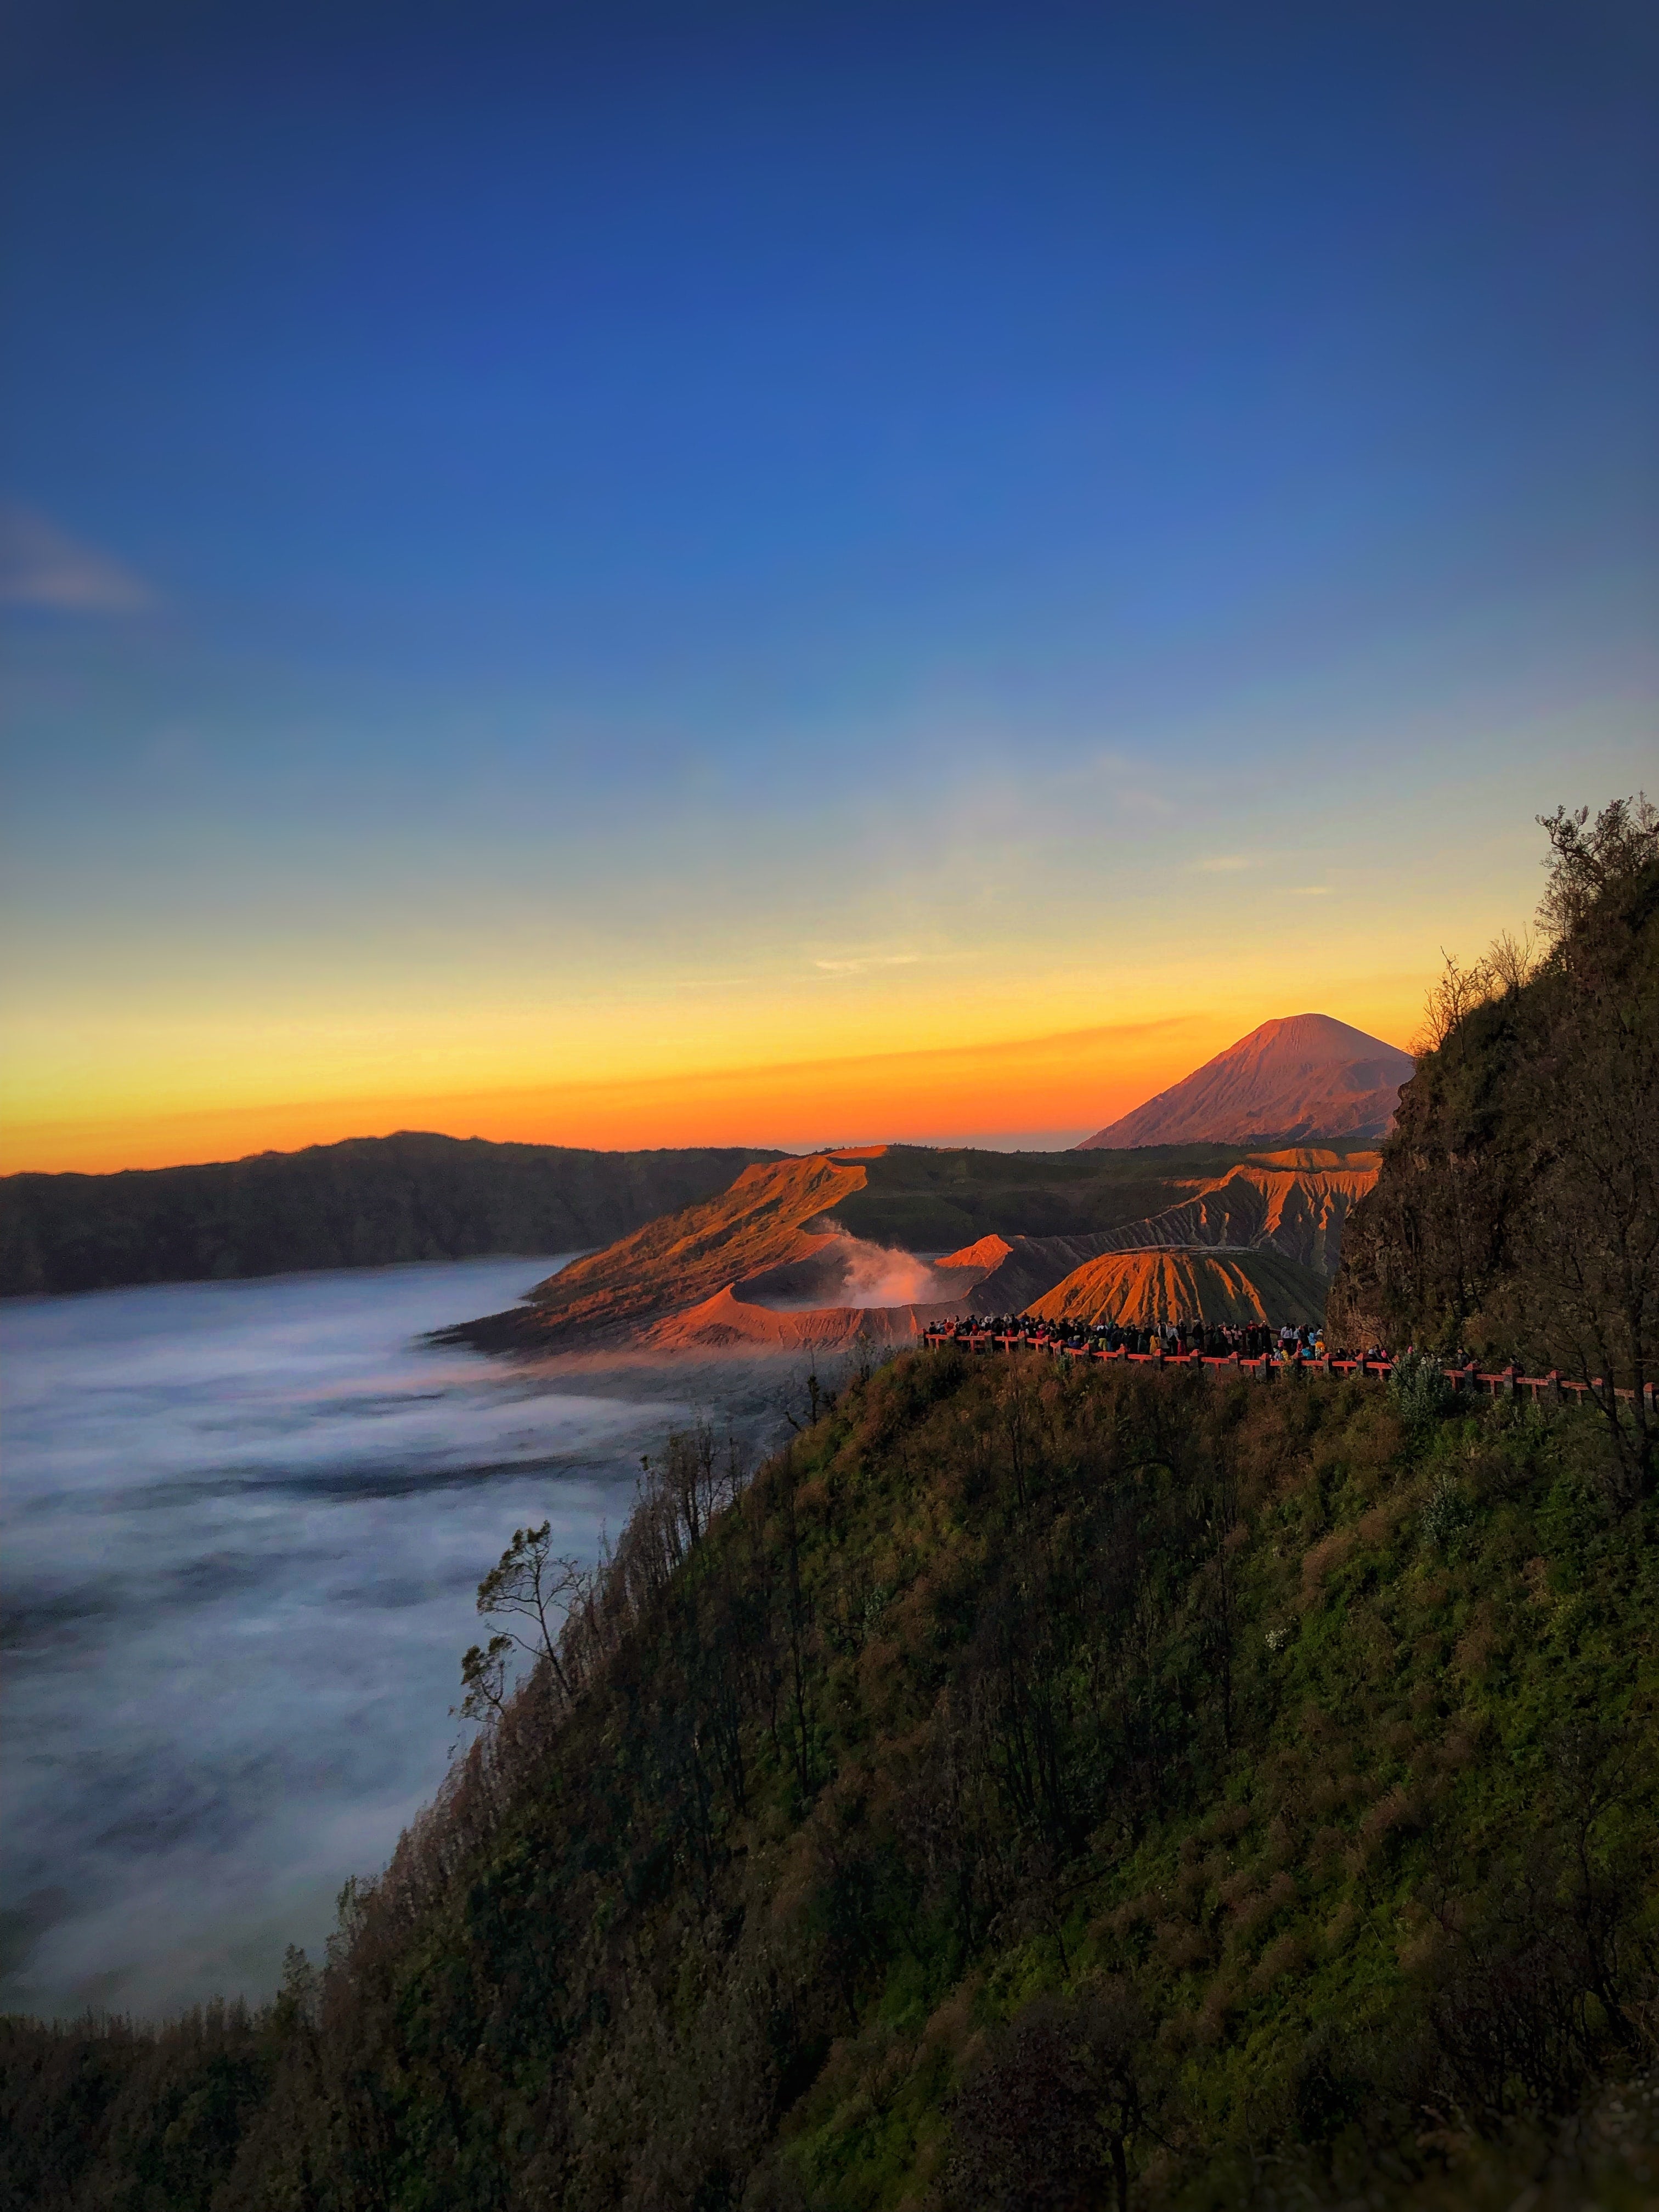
(1517, 1209)
(936, 1201)
(1246, 1791)
(364, 1203)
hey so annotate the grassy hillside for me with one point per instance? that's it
(1042, 1786)
(364, 1203)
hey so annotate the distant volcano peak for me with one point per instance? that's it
(1303, 1078)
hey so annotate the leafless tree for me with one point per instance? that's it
(1586, 862)
(529, 1583)
(1512, 962)
(1454, 995)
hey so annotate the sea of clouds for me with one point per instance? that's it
(245, 1523)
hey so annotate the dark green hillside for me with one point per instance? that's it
(1517, 1208)
(929, 1200)
(1040, 1784)
(364, 1203)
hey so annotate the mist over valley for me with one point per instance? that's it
(245, 1523)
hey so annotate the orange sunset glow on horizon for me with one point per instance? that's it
(919, 1010)
(839, 604)
(1034, 1093)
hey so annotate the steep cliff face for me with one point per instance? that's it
(1533, 1130)
(1305, 1080)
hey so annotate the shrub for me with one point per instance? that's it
(1419, 1388)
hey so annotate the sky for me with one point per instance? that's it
(637, 575)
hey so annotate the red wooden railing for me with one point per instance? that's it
(1553, 1388)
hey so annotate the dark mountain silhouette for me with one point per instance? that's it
(1305, 1080)
(368, 1203)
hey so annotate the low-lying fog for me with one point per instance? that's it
(244, 1523)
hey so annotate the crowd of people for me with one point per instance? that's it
(1177, 1339)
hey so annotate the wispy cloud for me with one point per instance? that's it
(1224, 864)
(861, 963)
(1307, 890)
(42, 566)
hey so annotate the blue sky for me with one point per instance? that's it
(511, 512)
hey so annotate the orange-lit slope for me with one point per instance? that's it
(677, 1262)
(1301, 1080)
(1140, 1287)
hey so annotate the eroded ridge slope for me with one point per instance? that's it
(764, 1220)
(1170, 1285)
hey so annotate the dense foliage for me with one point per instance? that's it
(1518, 1210)
(1040, 1785)
(365, 1203)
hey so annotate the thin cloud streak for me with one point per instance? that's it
(861, 963)
(43, 566)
